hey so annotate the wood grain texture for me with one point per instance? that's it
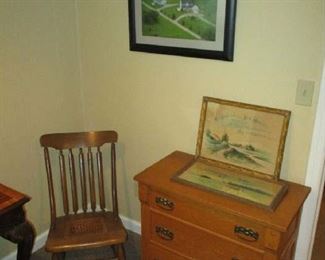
(12, 199)
(13, 223)
(82, 139)
(92, 228)
(201, 219)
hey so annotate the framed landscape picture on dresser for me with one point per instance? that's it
(194, 28)
(247, 137)
(239, 151)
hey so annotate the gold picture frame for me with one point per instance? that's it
(243, 137)
(239, 152)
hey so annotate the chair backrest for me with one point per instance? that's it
(84, 183)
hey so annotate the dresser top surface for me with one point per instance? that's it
(158, 177)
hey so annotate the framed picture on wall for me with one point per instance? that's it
(194, 28)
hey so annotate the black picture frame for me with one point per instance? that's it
(156, 44)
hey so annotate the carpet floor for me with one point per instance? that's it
(132, 251)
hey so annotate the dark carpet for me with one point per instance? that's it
(132, 251)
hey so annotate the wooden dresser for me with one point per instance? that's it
(182, 222)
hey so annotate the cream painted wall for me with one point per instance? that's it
(39, 93)
(154, 101)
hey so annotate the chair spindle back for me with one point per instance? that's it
(85, 182)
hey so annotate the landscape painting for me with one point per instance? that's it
(243, 136)
(250, 189)
(183, 19)
(197, 28)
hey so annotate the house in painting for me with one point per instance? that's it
(195, 9)
(159, 2)
(185, 5)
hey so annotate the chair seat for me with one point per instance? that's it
(85, 230)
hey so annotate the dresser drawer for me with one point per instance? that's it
(192, 241)
(230, 226)
(157, 253)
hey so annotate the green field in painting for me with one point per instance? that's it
(172, 12)
(167, 20)
(158, 26)
(209, 9)
(204, 30)
(156, 6)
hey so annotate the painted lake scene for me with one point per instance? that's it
(244, 187)
(180, 19)
(243, 137)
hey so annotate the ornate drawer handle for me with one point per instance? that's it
(246, 233)
(164, 203)
(164, 233)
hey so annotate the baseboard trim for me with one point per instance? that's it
(130, 224)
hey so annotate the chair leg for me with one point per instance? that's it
(119, 251)
(58, 256)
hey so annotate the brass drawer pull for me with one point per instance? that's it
(164, 233)
(164, 203)
(246, 233)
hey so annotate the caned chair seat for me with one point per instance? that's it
(81, 215)
(85, 230)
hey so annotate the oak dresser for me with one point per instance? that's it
(183, 222)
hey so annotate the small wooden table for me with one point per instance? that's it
(13, 224)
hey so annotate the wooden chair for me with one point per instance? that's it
(87, 226)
